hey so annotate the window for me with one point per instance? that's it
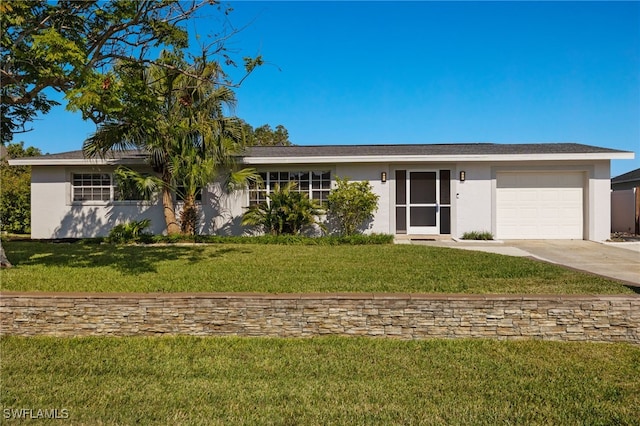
(91, 187)
(102, 187)
(257, 191)
(320, 185)
(316, 184)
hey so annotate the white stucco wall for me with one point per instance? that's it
(381, 223)
(221, 211)
(54, 215)
(599, 202)
(48, 200)
(473, 201)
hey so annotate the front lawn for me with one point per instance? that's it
(271, 268)
(188, 380)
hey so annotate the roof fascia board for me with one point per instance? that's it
(344, 159)
(636, 180)
(437, 158)
(71, 162)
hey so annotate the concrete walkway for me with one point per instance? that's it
(620, 261)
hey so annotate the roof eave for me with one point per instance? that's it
(635, 181)
(74, 162)
(620, 155)
(337, 159)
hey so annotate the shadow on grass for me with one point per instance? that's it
(127, 259)
(633, 288)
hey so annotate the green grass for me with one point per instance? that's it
(188, 380)
(285, 269)
(477, 235)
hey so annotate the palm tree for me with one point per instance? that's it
(176, 115)
(191, 173)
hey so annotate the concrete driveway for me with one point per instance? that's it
(616, 260)
(620, 261)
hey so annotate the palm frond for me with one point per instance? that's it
(240, 179)
(146, 185)
(287, 212)
(111, 136)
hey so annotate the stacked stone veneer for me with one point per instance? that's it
(586, 318)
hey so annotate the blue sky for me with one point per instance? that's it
(430, 72)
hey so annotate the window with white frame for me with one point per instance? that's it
(91, 187)
(315, 183)
(102, 187)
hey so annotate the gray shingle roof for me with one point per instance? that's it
(626, 181)
(425, 149)
(632, 175)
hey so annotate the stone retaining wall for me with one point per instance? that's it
(586, 318)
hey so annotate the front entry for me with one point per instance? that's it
(423, 201)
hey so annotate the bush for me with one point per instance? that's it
(285, 240)
(287, 212)
(477, 235)
(130, 232)
(15, 190)
(373, 239)
(351, 205)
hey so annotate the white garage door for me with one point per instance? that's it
(539, 205)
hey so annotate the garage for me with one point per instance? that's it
(540, 205)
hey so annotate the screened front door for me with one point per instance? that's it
(423, 202)
(422, 194)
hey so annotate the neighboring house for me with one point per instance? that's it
(515, 191)
(625, 202)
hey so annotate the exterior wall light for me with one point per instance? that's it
(383, 177)
(463, 176)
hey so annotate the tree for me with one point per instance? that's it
(351, 205)
(72, 46)
(4, 262)
(15, 190)
(287, 212)
(15, 193)
(68, 45)
(176, 115)
(265, 135)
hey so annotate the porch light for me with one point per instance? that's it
(383, 177)
(463, 176)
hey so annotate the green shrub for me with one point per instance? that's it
(173, 238)
(15, 190)
(287, 212)
(130, 232)
(360, 239)
(94, 241)
(373, 239)
(351, 205)
(477, 235)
